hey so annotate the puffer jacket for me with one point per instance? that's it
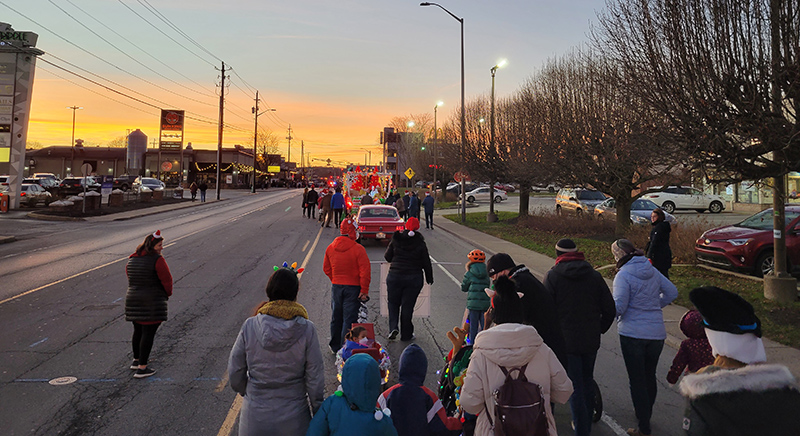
(276, 364)
(475, 280)
(640, 291)
(695, 351)
(409, 254)
(511, 345)
(346, 263)
(351, 411)
(149, 288)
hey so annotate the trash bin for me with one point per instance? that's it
(158, 194)
(93, 200)
(115, 198)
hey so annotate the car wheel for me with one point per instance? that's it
(715, 207)
(558, 210)
(551, 190)
(498, 199)
(668, 207)
(124, 188)
(470, 199)
(579, 213)
(765, 263)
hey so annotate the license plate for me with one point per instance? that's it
(380, 235)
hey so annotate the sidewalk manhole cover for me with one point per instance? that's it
(60, 381)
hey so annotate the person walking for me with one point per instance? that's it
(337, 205)
(413, 205)
(149, 288)
(407, 203)
(427, 204)
(475, 281)
(203, 187)
(311, 202)
(305, 202)
(400, 205)
(347, 266)
(695, 351)
(276, 364)
(408, 256)
(193, 190)
(510, 344)
(326, 213)
(585, 310)
(640, 293)
(657, 249)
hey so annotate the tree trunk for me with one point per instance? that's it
(623, 205)
(524, 199)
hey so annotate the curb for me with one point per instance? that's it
(45, 217)
(7, 239)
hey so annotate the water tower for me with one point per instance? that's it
(137, 147)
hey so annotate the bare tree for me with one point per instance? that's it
(118, 142)
(268, 143)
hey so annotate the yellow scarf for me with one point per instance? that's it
(283, 309)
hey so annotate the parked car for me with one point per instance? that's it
(748, 245)
(4, 180)
(124, 182)
(377, 221)
(147, 182)
(50, 185)
(455, 189)
(507, 187)
(32, 194)
(545, 188)
(640, 211)
(482, 194)
(674, 198)
(50, 176)
(74, 185)
(578, 201)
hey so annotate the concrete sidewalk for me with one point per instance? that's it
(539, 264)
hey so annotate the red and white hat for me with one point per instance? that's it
(157, 235)
(348, 228)
(412, 225)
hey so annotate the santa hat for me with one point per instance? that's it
(412, 225)
(157, 235)
(348, 228)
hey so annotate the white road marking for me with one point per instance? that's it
(306, 245)
(615, 427)
(452, 277)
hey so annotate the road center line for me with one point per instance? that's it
(452, 277)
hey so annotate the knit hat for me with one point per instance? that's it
(348, 228)
(565, 246)
(412, 225)
(621, 248)
(725, 311)
(499, 262)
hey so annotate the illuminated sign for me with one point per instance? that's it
(273, 168)
(171, 130)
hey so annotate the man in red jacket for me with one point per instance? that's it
(347, 265)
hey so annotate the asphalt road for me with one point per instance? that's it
(61, 314)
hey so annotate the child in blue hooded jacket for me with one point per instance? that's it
(351, 411)
(416, 410)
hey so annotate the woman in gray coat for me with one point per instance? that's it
(276, 363)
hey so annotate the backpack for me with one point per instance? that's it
(519, 407)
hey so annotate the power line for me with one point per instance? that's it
(166, 20)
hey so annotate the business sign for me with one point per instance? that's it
(171, 130)
(273, 168)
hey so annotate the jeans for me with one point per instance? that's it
(344, 312)
(580, 369)
(312, 210)
(475, 318)
(202, 196)
(403, 288)
(142, 342)
(337, 216)
(428, 220)
(641, 359)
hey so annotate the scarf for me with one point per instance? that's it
(283, 309)
(570, 256)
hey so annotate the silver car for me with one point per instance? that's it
(640, 211)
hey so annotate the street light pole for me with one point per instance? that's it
(435, 164)
(255, 139)
(492, 217)
(463, 111)
(72, 144)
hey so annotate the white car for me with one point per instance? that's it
(482, 194)
(674, 198)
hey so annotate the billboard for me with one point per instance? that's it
(171, 137)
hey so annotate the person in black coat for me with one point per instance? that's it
(311, 202)
(413, 205)
(657, 249)
(585, 310)
(408, 255)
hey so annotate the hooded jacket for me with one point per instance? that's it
(475, 280)
(416, 410)
(351, 411)
(658, 250)
(312, 197)
(276, 364)
(337, 201)
(511, 345)
(427, 203)
(409, 254)
(695, 351)
(640, 291)
(346, 263)
(583, 302)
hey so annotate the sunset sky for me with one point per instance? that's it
(337, 71)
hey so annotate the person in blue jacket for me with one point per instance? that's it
(427, 203)
(413, 205)
(416, 410)
(337, 205)
(351, 411)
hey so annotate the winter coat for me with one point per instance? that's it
(337, 201)
(351, 411)
(400, 205)
(409, 254)
(326, 202)
(312, 197)
(658, 250)
(752, 400)
(427, 203)
(583, 302)
(695, 351)
(407, 201)
(540, 310)
(193, 188)
(276, 364)
(416, 410)
(511, 345)
(305, 198)
(640, 291)
(346, 263)
(149, 288)
(203, 186)
(475, 280)
(413, 206)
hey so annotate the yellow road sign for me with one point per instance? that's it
(409, 173)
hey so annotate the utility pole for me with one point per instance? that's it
(302, 164)
(255, 143)
(219, 129)
(289, 154)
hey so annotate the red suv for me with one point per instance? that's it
(748, 246)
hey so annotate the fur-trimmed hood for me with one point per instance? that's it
(755, 378)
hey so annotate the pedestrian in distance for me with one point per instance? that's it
(585, 310)
(427, 204)
(305, 202)
(327, 212)
(413, 205)
(475, 281)
(203, 187)
(408, 256)
(400, 205)
(351, 410)
(695, 351)
(407, 203)
(193, 190)
(276, 363)
(311, 202)
(416, 410)
(657, 249)
(337, 205)
(347, 266)
(640, 293)
(149, 289)
(511, 344)
(739, 394)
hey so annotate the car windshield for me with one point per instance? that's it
(379, 213)
(763, 220)
(643, 205)
(590, 195)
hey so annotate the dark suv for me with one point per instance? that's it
(748, 245)
(74, 185)
(124, 182)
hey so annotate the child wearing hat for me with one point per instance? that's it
(475, 280)
(695, 351)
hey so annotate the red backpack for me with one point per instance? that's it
(519, 407)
